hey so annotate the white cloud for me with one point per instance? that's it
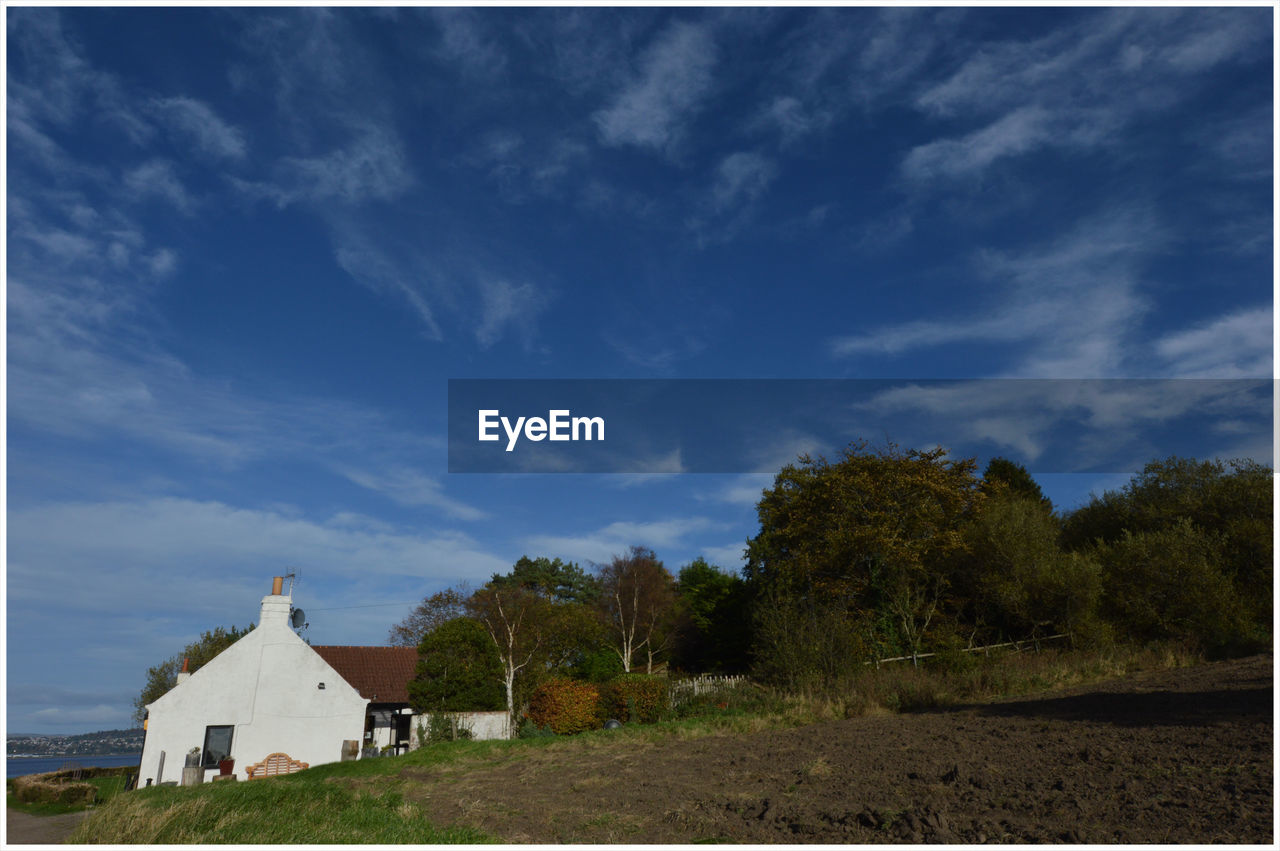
(730, 556)
(157, 179)
(1076, 86)
(410, 487)
(1073, 303)
(504, 306)
(1237, 345)
(1012, 134)
(614, 539)
(136, 556)
(374, 268)
(675, 78)
(741, 177)
(197, 124)
(464, 44)
(372, 166)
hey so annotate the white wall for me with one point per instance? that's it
(266, 685)
(484, 725)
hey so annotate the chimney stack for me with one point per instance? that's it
(275, 606)
(184, 674)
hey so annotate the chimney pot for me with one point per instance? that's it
(277, 585)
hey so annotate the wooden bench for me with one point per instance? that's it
(275, 765)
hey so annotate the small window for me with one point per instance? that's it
(217, 744)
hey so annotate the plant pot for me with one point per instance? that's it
(226, 766)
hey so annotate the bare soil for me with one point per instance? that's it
(1164, 757)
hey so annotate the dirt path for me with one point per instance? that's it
(1166, 757)
(24, 829)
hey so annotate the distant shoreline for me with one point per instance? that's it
(68, 755)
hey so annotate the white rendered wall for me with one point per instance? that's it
(483, 725)
(267, 686)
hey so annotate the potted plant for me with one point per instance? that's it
(226, 765)
(193, 756)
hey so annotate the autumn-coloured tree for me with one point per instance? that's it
(636, 605)
(877, 532)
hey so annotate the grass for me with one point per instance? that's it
(363, 801)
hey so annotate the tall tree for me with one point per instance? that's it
(198, 653)
(1012, 477)
(560, 581)
(458, 670)
(636, 604)
(713, 630)
(433, 611)
(516, 621)
(877, 532)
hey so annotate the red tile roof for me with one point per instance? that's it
(380, 674)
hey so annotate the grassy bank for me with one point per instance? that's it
(365, 801)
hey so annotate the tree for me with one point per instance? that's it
(636, 600)
(163, 677)
(559, 581)
(433, 611)
(458, 670)
(1012, 477)
(871, 538)
(1020, 582)
(712, 631)
(516, 621)
(1167, 584)
(1229, 501)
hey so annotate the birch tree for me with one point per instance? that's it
(636, 605)
(516, 620)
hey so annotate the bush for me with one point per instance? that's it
(1166, 585)
(635, 698)
(51, 789)
(566, 706)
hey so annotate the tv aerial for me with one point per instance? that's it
(297, 617)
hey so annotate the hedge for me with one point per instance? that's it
(47, 789)
(643, 696)
(566, 706)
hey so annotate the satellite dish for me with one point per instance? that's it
(298, 619)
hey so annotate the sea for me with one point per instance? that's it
(17, 766)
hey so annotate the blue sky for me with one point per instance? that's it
(247, 248)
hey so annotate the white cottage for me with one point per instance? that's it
(267, 693)
(271, 692)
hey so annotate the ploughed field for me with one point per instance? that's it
(1172, 756)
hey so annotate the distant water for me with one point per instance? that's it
(16, 766)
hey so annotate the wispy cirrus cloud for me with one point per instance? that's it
(158, 179)
(1075, 87)
(195, 123)
(1236, 345)
(1070, 303)
(1018, 132)
(371, 166)
(674, 79)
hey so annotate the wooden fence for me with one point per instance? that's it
(1018, 646)
(683, 689)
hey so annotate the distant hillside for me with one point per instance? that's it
(82, 744)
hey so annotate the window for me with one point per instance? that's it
(217, 744)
